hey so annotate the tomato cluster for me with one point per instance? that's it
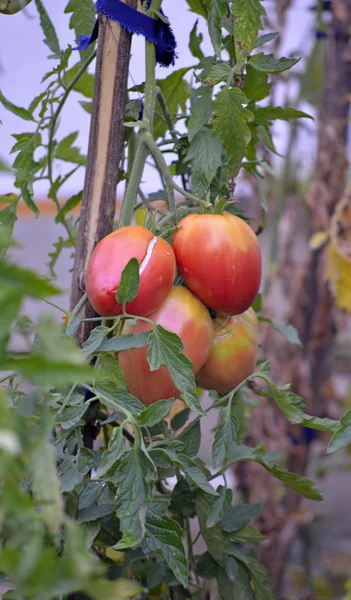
(219, 258)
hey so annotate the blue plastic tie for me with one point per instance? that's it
(154, 30)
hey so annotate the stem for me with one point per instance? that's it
(56, 306)
(158, 156)
(133, 185)
(167, 114)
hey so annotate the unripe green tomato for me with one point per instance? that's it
(233, 354)
(10, 7)
(183, 314)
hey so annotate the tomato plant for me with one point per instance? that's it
(219, 258)
(233, 354)
(183, 314)
(156, 271)
(103, 473)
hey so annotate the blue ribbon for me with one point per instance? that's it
(154, 30)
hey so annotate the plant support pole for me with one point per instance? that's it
(104, 152)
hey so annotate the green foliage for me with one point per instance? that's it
(205, 156)
(51, 39)
(248, 15)
(129, 285)
(82, 19)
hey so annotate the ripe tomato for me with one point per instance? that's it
(219, 259)
(233, 353)
(183, 314)
(157, 271)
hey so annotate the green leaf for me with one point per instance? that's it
(129, 285)
(266, 114)
(71, 203)
(4, 168)
(206, 567)
(230, 125)
(11, 7)
(191, 437)
(43, 371)
(219, 506)
(125, 342)
(218, 10)
(10, 305)
(176, 91)
(165, 350)
(288, 331)
(200, 7)
(190, 468)
(205, 155)
(247, 21)
(94, 512)
(256, 86)
(164, 535)
(180, 419)
(247, 535)
(240, 589)
(201, 110)
(225, 435)
(195, 41)
(183, 499)
(82, 20)
(269, 64)
(25, 282)
(267, 37)
(95, 340)
(238, 516)
(133, 476)
(231, 567)
(342, 436)
(26, 167)
(85, 83)
(23, 113)
(51, 39)
(65, 151)
(116, 448)
(74, 467)
(111, 375)
(70, 416)
(155, 413)
(260, 579)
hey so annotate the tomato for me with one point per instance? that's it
(183, 314)
(157, 271)
(219, 259)
(233, 353)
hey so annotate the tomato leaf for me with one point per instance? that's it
(267, 37)
(237, 516)
(155, 413)
(176, 91)
(200, 7)
(125, 342)
(50, 39)
(23, 113)
(247, 21)
(231, 125)
(165, 349)
(116, 448)
(82, 20)
(219, 506)
(342, 436)
(164, 536)
(65, 151)
(205, 155)
(269, 64)
(201, 109)
(266, 114)
(94, 340)
(84, 85)
(73, 468)
(129, 285)
(256, 85)
(191, 469)
(183, 499)
(225, 435)
(191, 437)
(218, 10)
(195, 42)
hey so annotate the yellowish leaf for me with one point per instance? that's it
(339, 277)
(318, 239)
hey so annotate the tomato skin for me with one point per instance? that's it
(110, 257)
(219, 258)
(233, 354)
(183, 314)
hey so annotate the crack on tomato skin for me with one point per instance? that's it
(149, 251)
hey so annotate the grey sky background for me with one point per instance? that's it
(23, 62)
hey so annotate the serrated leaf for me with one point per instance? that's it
(125, 342)
(73, 468)
(70, 416)
(219, 72)
(132, 477)
(71, 203)
(164, 536)
(267, 37)
(219, 506)
(217, 11)
(256, 85)
(50, 39)
(183, 499)
(269, 64)
(195, 41)
(129, 285)
(342, 436)
(190, 468)
(237, 516)
(95, 340)
(23, 113)
(155, 413)
(176, 91)
(165, 349)
(84, 85)
(116, 447)
(225, 435)
(200, 7)
(82, 20)
(111, 375)
(191, 437)
(300, 484)
(247, 535)
(65, 151)
(247, 21)
(266, 114)
(201, 109)
(205, 155)
(230, 125)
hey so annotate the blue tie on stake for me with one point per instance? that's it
(154, 30)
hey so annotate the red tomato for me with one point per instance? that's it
(183, 314)
(220, 261)
(233, 353)
(157, 271)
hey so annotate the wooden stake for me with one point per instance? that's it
(104, 152)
